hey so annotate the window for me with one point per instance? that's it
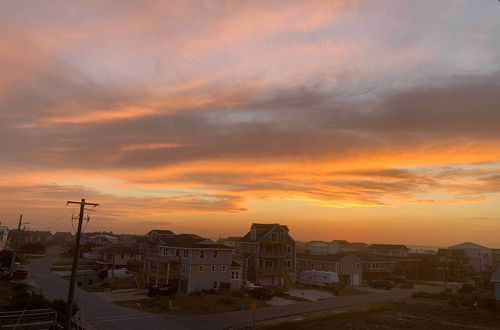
(274, 236)
(216, 254)
(288, 264)
(186, 253)
(183, 271)
(213, 268)
(288, 249)
(202, 254)
(200, 268)
(216, 285)
(223, 268)
(282, 235)
(235, 275)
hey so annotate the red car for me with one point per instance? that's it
(20, 274)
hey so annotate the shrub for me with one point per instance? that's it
(226, 300)
(467, 288)
(237, 293)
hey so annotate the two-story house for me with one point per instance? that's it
(192, 263)
(479, 257)
(268, 254)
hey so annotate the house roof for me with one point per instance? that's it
(261, 230)
(192, 241)
(162, 232)
(395, 247)
(340, 241)
(495, 277)
(325, 257)
(467, 245)
(370, 257)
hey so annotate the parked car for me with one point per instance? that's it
(120, 273)
(381, 284)
(248, 286)
(161, 290)
(263, 293)
(401, 282)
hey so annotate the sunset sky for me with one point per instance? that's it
(375, 121)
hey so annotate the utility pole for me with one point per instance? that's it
(74, 268)
(14, 253)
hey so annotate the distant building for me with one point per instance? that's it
(338, 247)
(160, 234)
(229, 241)
(62, 237)
(30, 236)
(4, 234)
(101, 239)
(318, 247)
(389, 250)
(495, 256)
(192, 263)
(479, 257)
(268, 254)
(110, 256)
(495, 279)
(348, 267)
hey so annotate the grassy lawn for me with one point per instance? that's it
(194, 304)
(7, 291)
(29, 259)
(394, 316)
(346, 291)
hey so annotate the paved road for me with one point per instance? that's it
(232, 319)
(107, 316)
(96, 311)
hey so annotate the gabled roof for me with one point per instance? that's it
(261, 230)
(340, 241)
(395, 247)
(467, 245)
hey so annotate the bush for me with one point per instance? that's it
(467, 288)
(237, 293)
(226, 300)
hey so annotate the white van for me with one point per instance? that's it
(120, 273)
(319, 278)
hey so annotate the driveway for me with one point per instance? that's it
(96, 311)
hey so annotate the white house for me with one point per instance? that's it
(480, 257)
